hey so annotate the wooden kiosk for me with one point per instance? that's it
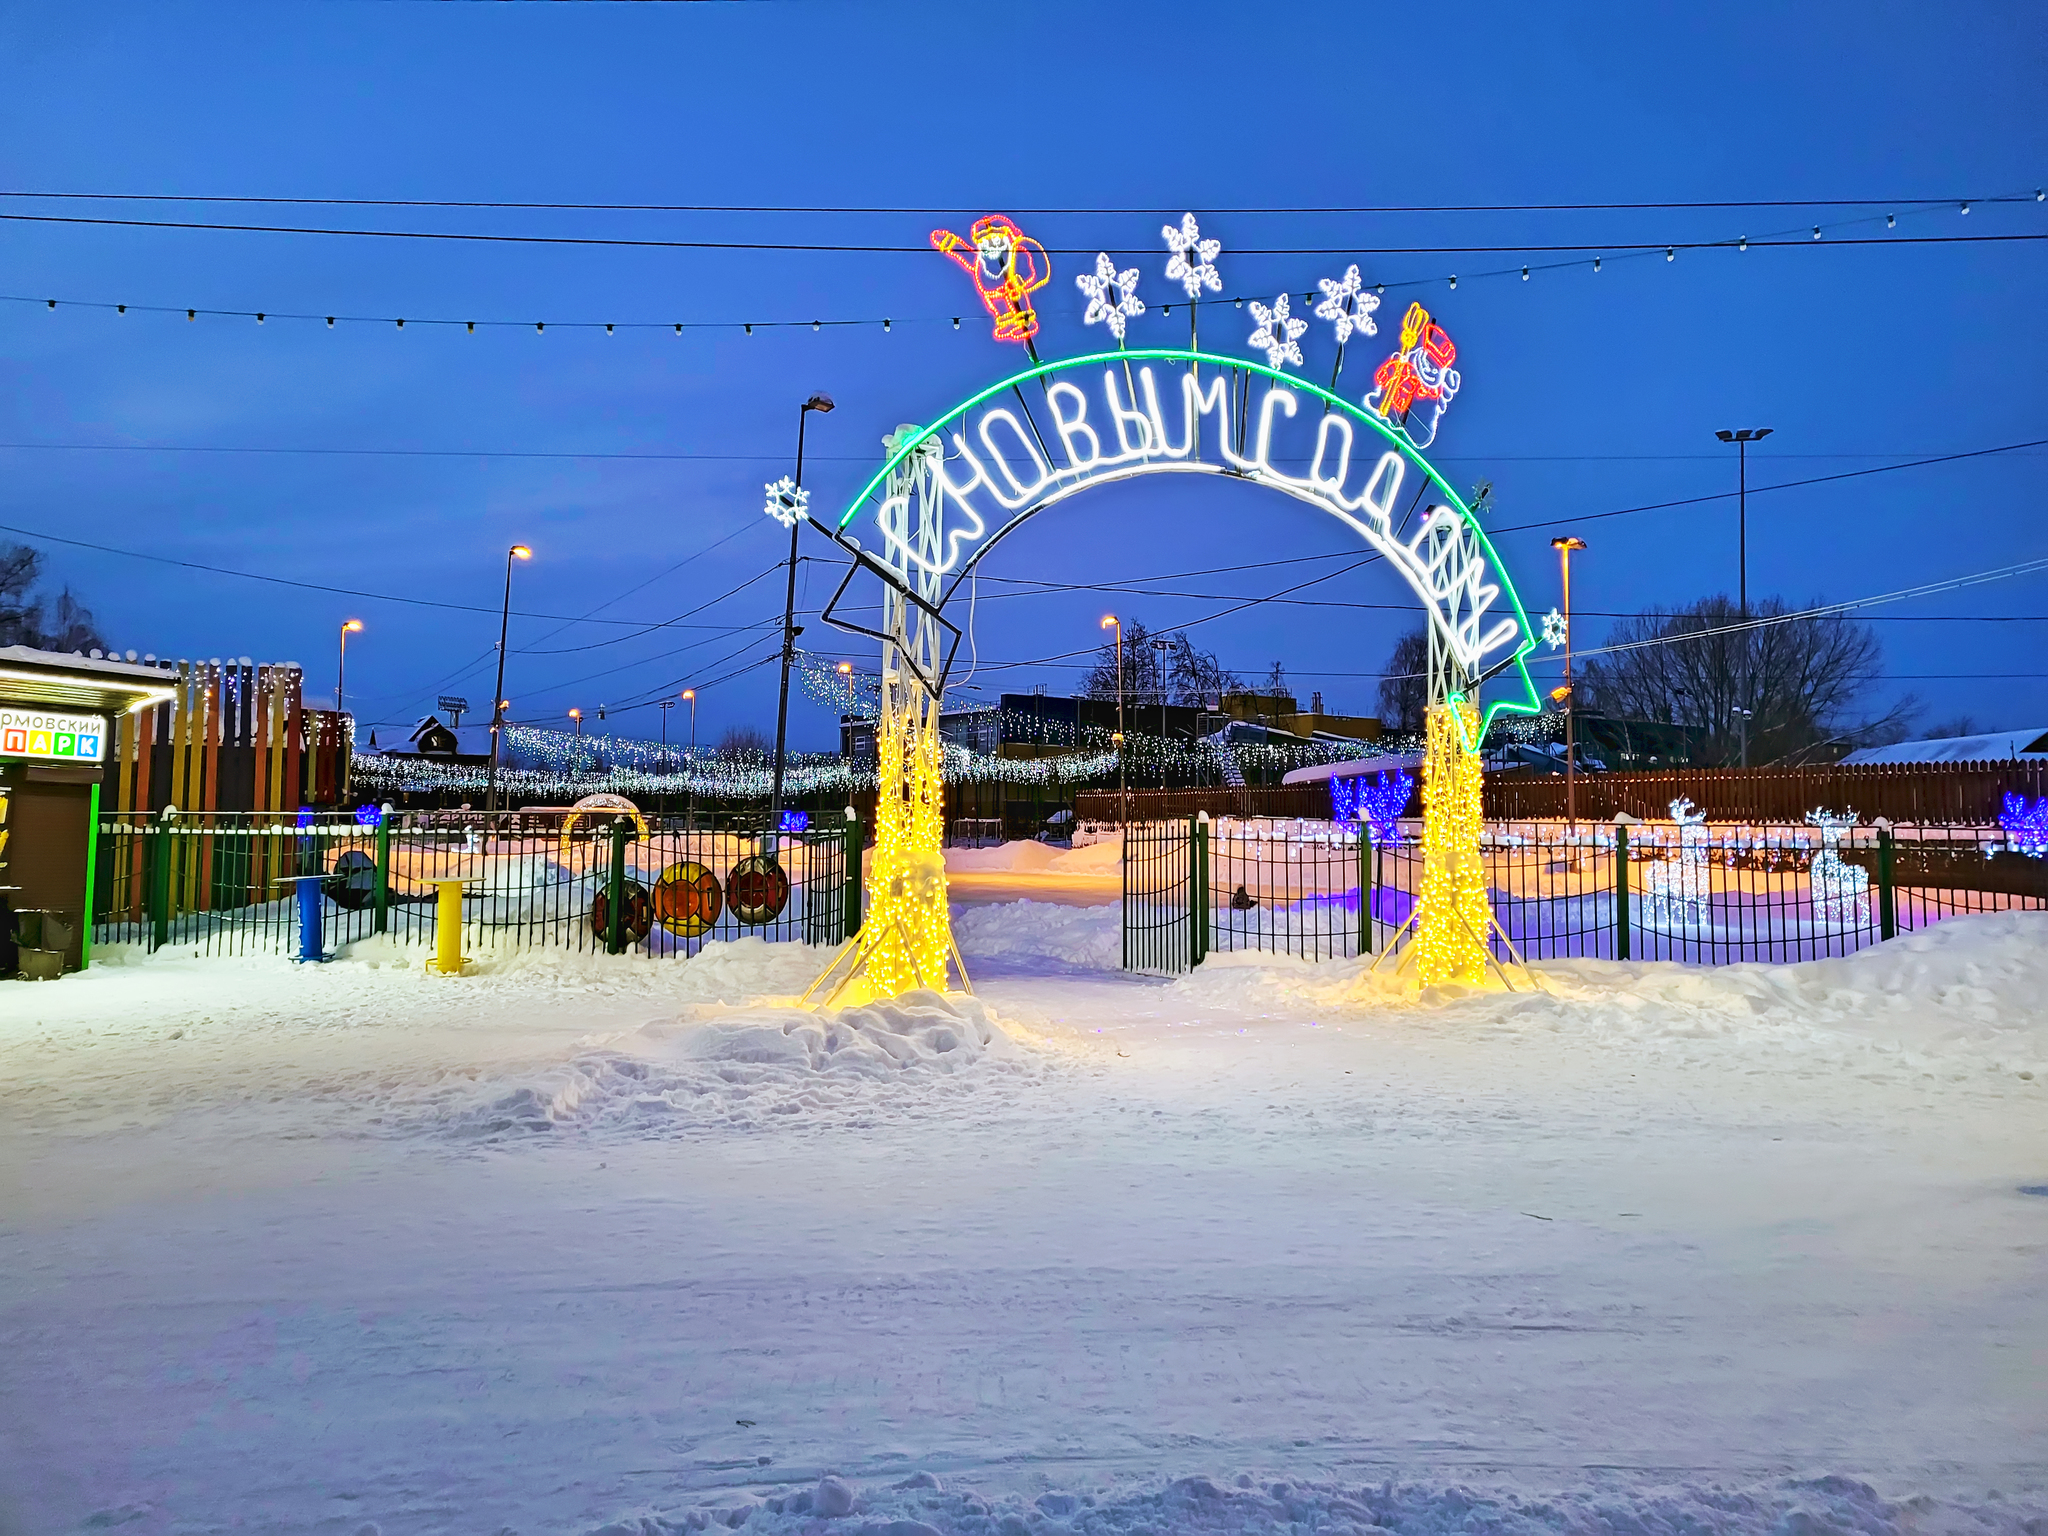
(57, 717)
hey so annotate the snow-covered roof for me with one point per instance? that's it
(1354, 768)
(2026, 742)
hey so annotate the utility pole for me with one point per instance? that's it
(821, 404)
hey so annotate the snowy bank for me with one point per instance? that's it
(1194, 1506)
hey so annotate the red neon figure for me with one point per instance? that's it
(1007, 266)
(1420, 371)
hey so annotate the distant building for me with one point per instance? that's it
(2027, 744)
(1027, 725)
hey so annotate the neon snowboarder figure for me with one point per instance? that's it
(1007, 266)
(1420, 373)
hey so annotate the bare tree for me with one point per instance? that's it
(1186, 675)
(1801, 679)
(1961, 725)
(1404, 686)
(28, 617)
(745, 741)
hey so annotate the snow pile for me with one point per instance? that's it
(1193, 1506)
(1961, 995)
(746, 1068)
(1036, 858)
(1075, 938)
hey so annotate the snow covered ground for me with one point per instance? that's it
(583, 1244)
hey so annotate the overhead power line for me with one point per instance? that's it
(1911, 203)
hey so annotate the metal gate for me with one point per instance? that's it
(1165, 895)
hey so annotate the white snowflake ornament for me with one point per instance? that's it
(1347, 305)
(788, 502)
(1278, 334)
(1112, 295)
(1199, 272)
(1553, 629)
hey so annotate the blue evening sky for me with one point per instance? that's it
(1583, 393)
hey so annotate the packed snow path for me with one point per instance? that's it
(573, 1245)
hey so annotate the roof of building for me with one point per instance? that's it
(1356, 767)
(68, 680)
(2026, 742)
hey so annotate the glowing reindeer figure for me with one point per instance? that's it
(1841, 892)
(1681, 889)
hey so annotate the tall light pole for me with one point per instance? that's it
(821, 404)
(1742, 440)
(1160, 646)
(690, 763)
(577, 716)
(846, 671)
(351, 627)
(1564, 544)
(1742, 719)
(1123, 793)
(516, 552)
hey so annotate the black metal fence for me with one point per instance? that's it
(225, 884)
(1698, 894)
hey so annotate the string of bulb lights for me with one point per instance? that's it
(1819, 235)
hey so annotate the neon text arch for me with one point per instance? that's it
(998, 461)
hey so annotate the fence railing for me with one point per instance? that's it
(224, 884)
(1697, 894)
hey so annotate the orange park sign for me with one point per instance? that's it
(45, 734)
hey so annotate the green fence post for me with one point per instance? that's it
(1194, 890)
(160, 886)
(854, 839)
(1621, 918)
(1887, 911)
(92, 871)
(615, 925)
(1365, 872)
(1202, 910)
(382, 899)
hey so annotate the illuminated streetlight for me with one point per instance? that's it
(353, 626)
(1123, 794)
(516, 552)
(690, 763)
(822, 404)
(1742, 440)
(1564, 544)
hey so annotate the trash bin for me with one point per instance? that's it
(42, 940)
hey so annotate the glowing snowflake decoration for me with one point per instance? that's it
(1278, 333)
(1112, 295)
(788, 502)
(1347, 305)
(1200, 273)
(1553, 629)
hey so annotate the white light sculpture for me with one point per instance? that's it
(1681, 890)
(1112, 295)
(788, 502)
(1347, 305)
(1553, 629)
(1841, 892)
(1279, 333)
(1199, 272)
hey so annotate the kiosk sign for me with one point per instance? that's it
(62, 738)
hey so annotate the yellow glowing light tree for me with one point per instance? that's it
(1452, 918)
(906, 937)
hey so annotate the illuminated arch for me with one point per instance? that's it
(948, 492)
(998, 459)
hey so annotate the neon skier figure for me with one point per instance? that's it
(1007, 266)
(1419, 372)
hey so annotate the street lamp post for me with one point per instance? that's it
(1742, 718)
(821, 404)
(577, 716)
(1564, 544)
(352, 626)
(1742, 440)
(690, 765)
(516, 552)
(1123, 793)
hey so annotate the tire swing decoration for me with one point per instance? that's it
(687, 900)
(757, 889)
(636, 912)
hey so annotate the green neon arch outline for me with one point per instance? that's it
(1530, 705)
